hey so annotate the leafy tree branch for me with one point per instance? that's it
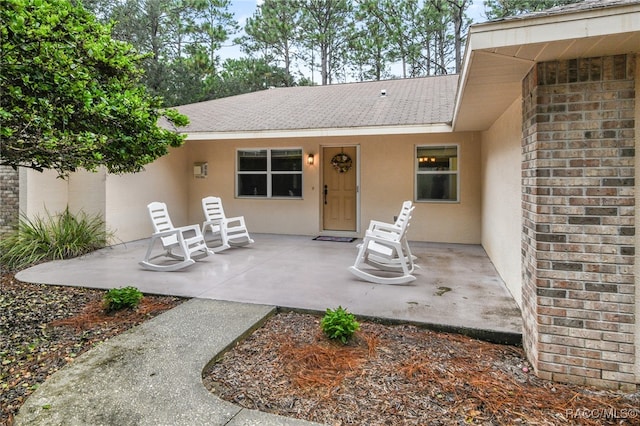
(71, 95)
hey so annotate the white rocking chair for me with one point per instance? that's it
(187, 248)
(226, 231)
(385, 249)
(404, 215)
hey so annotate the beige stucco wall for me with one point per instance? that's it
(501, 195)
(42, 192)
(281, 216)
(127, 196)
(386, 180)
(120, 199)
(86, 192)
(46, 193)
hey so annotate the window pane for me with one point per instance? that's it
(286, 160)
(252, 185)
(437, 186)
(434, 158)
(286, 185)
(249, 161)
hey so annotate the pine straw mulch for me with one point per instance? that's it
(401, 375)
(43, 328)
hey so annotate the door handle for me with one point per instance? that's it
(326, 191)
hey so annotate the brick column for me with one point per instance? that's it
(9, 199)
(578, 199)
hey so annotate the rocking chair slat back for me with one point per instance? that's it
(182, 246)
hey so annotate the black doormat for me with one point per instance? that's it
(336, 239)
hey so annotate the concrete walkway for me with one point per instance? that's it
(152, 374)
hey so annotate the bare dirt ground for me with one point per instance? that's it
(401, 375)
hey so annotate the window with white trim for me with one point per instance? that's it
(269, 173)
(437, 173)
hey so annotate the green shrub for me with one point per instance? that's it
(59, 236)
(122, 298)
(339, 324)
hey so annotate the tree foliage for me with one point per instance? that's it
(370, 49)
(273, 31)
(340, 40)
(179, 38)
(71, 95)
(427, 37)
(326, 25)
(246, 75)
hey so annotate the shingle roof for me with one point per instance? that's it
(417, 101)
(583, 5)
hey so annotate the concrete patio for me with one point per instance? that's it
(151, 374)
(457, 287)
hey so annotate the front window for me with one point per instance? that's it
(437, 173)
(269, 173)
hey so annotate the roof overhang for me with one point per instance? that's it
(309, 133)
(500, 54)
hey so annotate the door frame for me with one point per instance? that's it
(358, 191)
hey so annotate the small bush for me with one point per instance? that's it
(339, 324)
(122, 298)
(60, 236)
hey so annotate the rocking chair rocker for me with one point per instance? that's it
(385, 249)
(187, 248)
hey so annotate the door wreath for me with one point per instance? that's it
(341, 162)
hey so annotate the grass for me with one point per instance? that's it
(52, 237)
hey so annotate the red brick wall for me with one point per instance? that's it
(578, 204)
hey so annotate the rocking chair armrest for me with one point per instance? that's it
(384, 236)
(239, 219)
(391, 233)
(390, 227)
(175, 231)
(194, 228)
(376, 224)
(213, 222)
(178, 232)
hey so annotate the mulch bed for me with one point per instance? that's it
(387, 375)
(401, 375)
(43, 328)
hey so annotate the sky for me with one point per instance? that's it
(243, 9)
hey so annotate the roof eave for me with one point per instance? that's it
(500, 54)
(320, 132)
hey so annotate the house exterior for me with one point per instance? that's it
(530, 151)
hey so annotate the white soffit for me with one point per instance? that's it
(500, 54)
